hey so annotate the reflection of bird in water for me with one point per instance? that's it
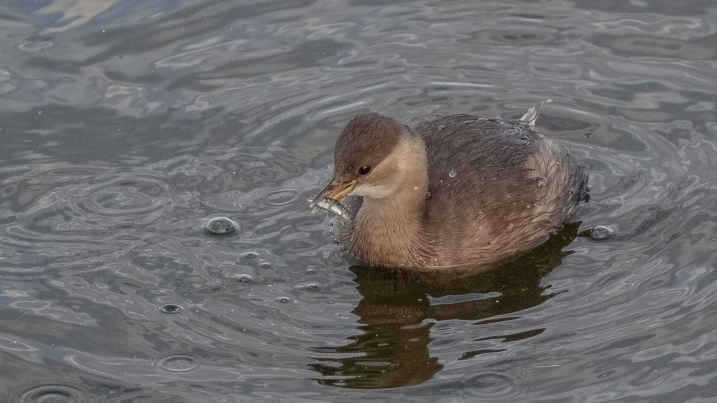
(453, 191)
(400, 307)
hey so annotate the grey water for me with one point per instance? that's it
(127, 125)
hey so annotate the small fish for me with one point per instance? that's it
(330, 205)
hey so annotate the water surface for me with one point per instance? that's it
(127, 126)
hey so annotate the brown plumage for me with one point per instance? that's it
(453, 191)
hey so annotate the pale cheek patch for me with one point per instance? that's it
(372, 191)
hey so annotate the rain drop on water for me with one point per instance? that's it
(53, 393)
(452, 173)
(171, 309)
(179, 363)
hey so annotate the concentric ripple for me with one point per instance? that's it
(179, 363)
(53, 393)
(118, 201)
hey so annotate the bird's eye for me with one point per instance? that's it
(364, 170)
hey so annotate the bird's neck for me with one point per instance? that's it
(390, 229)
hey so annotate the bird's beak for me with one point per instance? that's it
(335, 191)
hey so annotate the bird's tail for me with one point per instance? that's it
(532, 115)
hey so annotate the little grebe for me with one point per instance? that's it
(453, 191)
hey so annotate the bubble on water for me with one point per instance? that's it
(283, 300)
(171, 309)
(311, 287)
(221, 226)
(542, 182)
(601, 233)
(452, 173)
(243, 278)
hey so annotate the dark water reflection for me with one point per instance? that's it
(126, 126)
(399, 307)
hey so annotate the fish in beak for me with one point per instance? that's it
(328, 198)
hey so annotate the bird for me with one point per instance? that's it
(453, 191)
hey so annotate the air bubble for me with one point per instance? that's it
(452, 173)
(243, 278)
(311, 287)
(221, 226)
(601, 233)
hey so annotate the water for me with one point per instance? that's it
(128, 125)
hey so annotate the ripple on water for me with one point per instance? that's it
(655, 46)
(117, 201)
(71, 212)
(281, 197)
(485, 385)
(523, 36)
(302, 74)
(171, 309)
(179, 363)
(81, 199)
(53, 393)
